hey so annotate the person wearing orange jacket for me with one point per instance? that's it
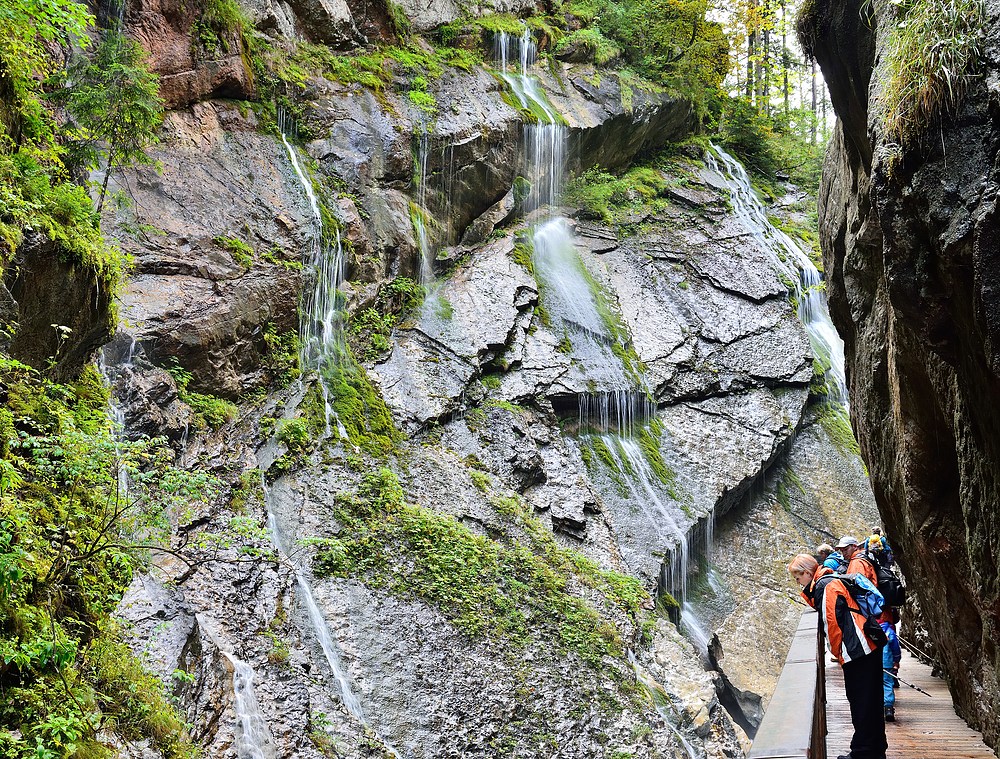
(856, 559)
(859, 561)
(859, 656)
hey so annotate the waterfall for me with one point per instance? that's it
(661, 701)
(253, 739)
(419, 213)
(793, 263)
(322, 342)
(569, 292)
(322, 328)
(316, 618)
(110, 371)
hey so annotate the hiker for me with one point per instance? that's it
(877, 546)
(856, 559)
(891, 655)
(831, 559)
(857, 653)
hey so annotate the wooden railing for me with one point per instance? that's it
(794, 725)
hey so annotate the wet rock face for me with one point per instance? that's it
(216, 262)
(912, 250)
(59, 312)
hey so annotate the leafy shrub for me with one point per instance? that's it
(747, 133)
(295, 434)
(70, 539)
(599, 48)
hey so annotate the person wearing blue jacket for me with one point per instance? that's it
(891, 654)
(831, 559)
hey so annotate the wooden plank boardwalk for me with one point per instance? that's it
(925, 728)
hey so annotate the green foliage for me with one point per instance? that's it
(242, 252)
(523, 255)
(423, 101)
(669, 42)
(931, 51)
(374, 69)
(27, 29)
(603, 196)
(209, 410)
(282, 359)
(789, 480)
(747, 133)
(500, 589)
(221, 26)
(295, 434)
(32, 197)
(361, 409)
(70, 539)
(114, 100)
(371, 328)
(649, 441)
(599, 48)
(398, 18)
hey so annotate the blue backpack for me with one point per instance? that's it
(863, 591)
(870, 602)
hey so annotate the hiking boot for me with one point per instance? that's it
(890, 714)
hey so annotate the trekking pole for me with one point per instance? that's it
(914, 650)
(890, 673)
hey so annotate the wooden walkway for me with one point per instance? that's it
(925, 728)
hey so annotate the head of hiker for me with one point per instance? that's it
(803, 568)
(848, 546)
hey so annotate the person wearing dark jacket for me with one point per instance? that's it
(859, 656)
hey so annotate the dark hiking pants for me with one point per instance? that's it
(863, 685)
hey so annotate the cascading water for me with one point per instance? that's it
(419, 212)
(619, 406)
(569, 292)
(253, 739)
(323, 348)
(662, 703)
(110, 372)
(793, 262)
(322, 343)
(316, 617)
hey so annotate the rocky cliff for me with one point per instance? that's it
(910, 245)
(477, 523)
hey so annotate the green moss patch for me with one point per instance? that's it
(503, 589)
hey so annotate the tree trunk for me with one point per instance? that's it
(104, 184)
(812, 129)
(785, 58)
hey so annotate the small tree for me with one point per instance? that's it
(115, 101)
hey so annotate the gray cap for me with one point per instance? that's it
(847, 540)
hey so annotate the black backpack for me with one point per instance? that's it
(889, 585)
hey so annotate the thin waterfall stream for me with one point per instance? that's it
(322, 343)
(316, 618)
(323, 348)
(793, 262)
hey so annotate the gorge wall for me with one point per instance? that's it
(909, 234)
(479, 518)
